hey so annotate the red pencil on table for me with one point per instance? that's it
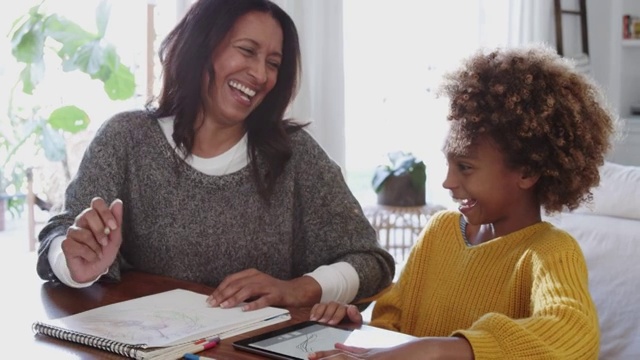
(200, 345)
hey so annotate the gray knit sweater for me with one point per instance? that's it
(184, 224)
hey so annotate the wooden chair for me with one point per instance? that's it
(33, 201)
(46, 182)
(398, 227)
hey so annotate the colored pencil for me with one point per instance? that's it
(195, 347)
(196, 357)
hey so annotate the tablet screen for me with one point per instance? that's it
(297, 341)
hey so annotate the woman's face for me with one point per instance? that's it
(245, 66)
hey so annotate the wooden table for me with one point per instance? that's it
(26, 299)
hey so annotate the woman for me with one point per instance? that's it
(214, 186)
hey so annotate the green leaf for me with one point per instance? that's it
(69, 118)
(381, 174)
(402, 164)
(121, 84)
(88, 57)
(25, 77)
(53, 144)
(394, 156)
(110, 61)
(67, 33)
(15, 23)
(31, 76)
(103, 12)
(27, 43)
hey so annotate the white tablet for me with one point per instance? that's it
(297, 341)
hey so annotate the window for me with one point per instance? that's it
(395, 53)
(127, 29)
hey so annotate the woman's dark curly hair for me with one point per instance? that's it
(546, 118)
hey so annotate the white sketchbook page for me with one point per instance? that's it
(163, 319)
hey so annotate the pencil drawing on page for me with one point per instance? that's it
(303, 341)
(164, 319)
(143, 326)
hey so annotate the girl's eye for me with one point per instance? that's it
(463, 167)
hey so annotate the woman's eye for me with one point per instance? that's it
(248, 51)
(274, 64)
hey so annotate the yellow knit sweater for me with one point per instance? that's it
(524, 295)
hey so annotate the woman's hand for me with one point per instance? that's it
(261, 290)
(421, 348)
(333, 312)
(93, 240)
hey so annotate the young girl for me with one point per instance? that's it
(492, 280)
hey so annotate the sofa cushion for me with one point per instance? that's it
(618, 194)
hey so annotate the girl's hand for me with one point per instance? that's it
(344, 352)
(422, 349)
(333, 313)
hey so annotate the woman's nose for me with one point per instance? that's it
(258, 71)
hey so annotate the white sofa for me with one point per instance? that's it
(608, 231)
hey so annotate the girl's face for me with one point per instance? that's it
(487, 191)
(245, 66)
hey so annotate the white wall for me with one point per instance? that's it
(601, 30)
(614, 67)
(603, 22)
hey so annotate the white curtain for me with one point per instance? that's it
(516, 22)
(321, 96)
(531, 21)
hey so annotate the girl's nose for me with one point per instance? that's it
(449, 182)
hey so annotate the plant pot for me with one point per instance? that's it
(398, 191)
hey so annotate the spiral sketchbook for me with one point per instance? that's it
(157, 326)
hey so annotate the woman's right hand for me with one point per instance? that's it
(93, 240)
(333, 313)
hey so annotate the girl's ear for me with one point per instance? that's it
(528, 180)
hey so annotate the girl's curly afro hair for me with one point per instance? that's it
(546, 117)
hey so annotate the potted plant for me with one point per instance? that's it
(45, 127)
(402, 182)
(33, 36)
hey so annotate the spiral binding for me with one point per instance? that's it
(128, 350)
